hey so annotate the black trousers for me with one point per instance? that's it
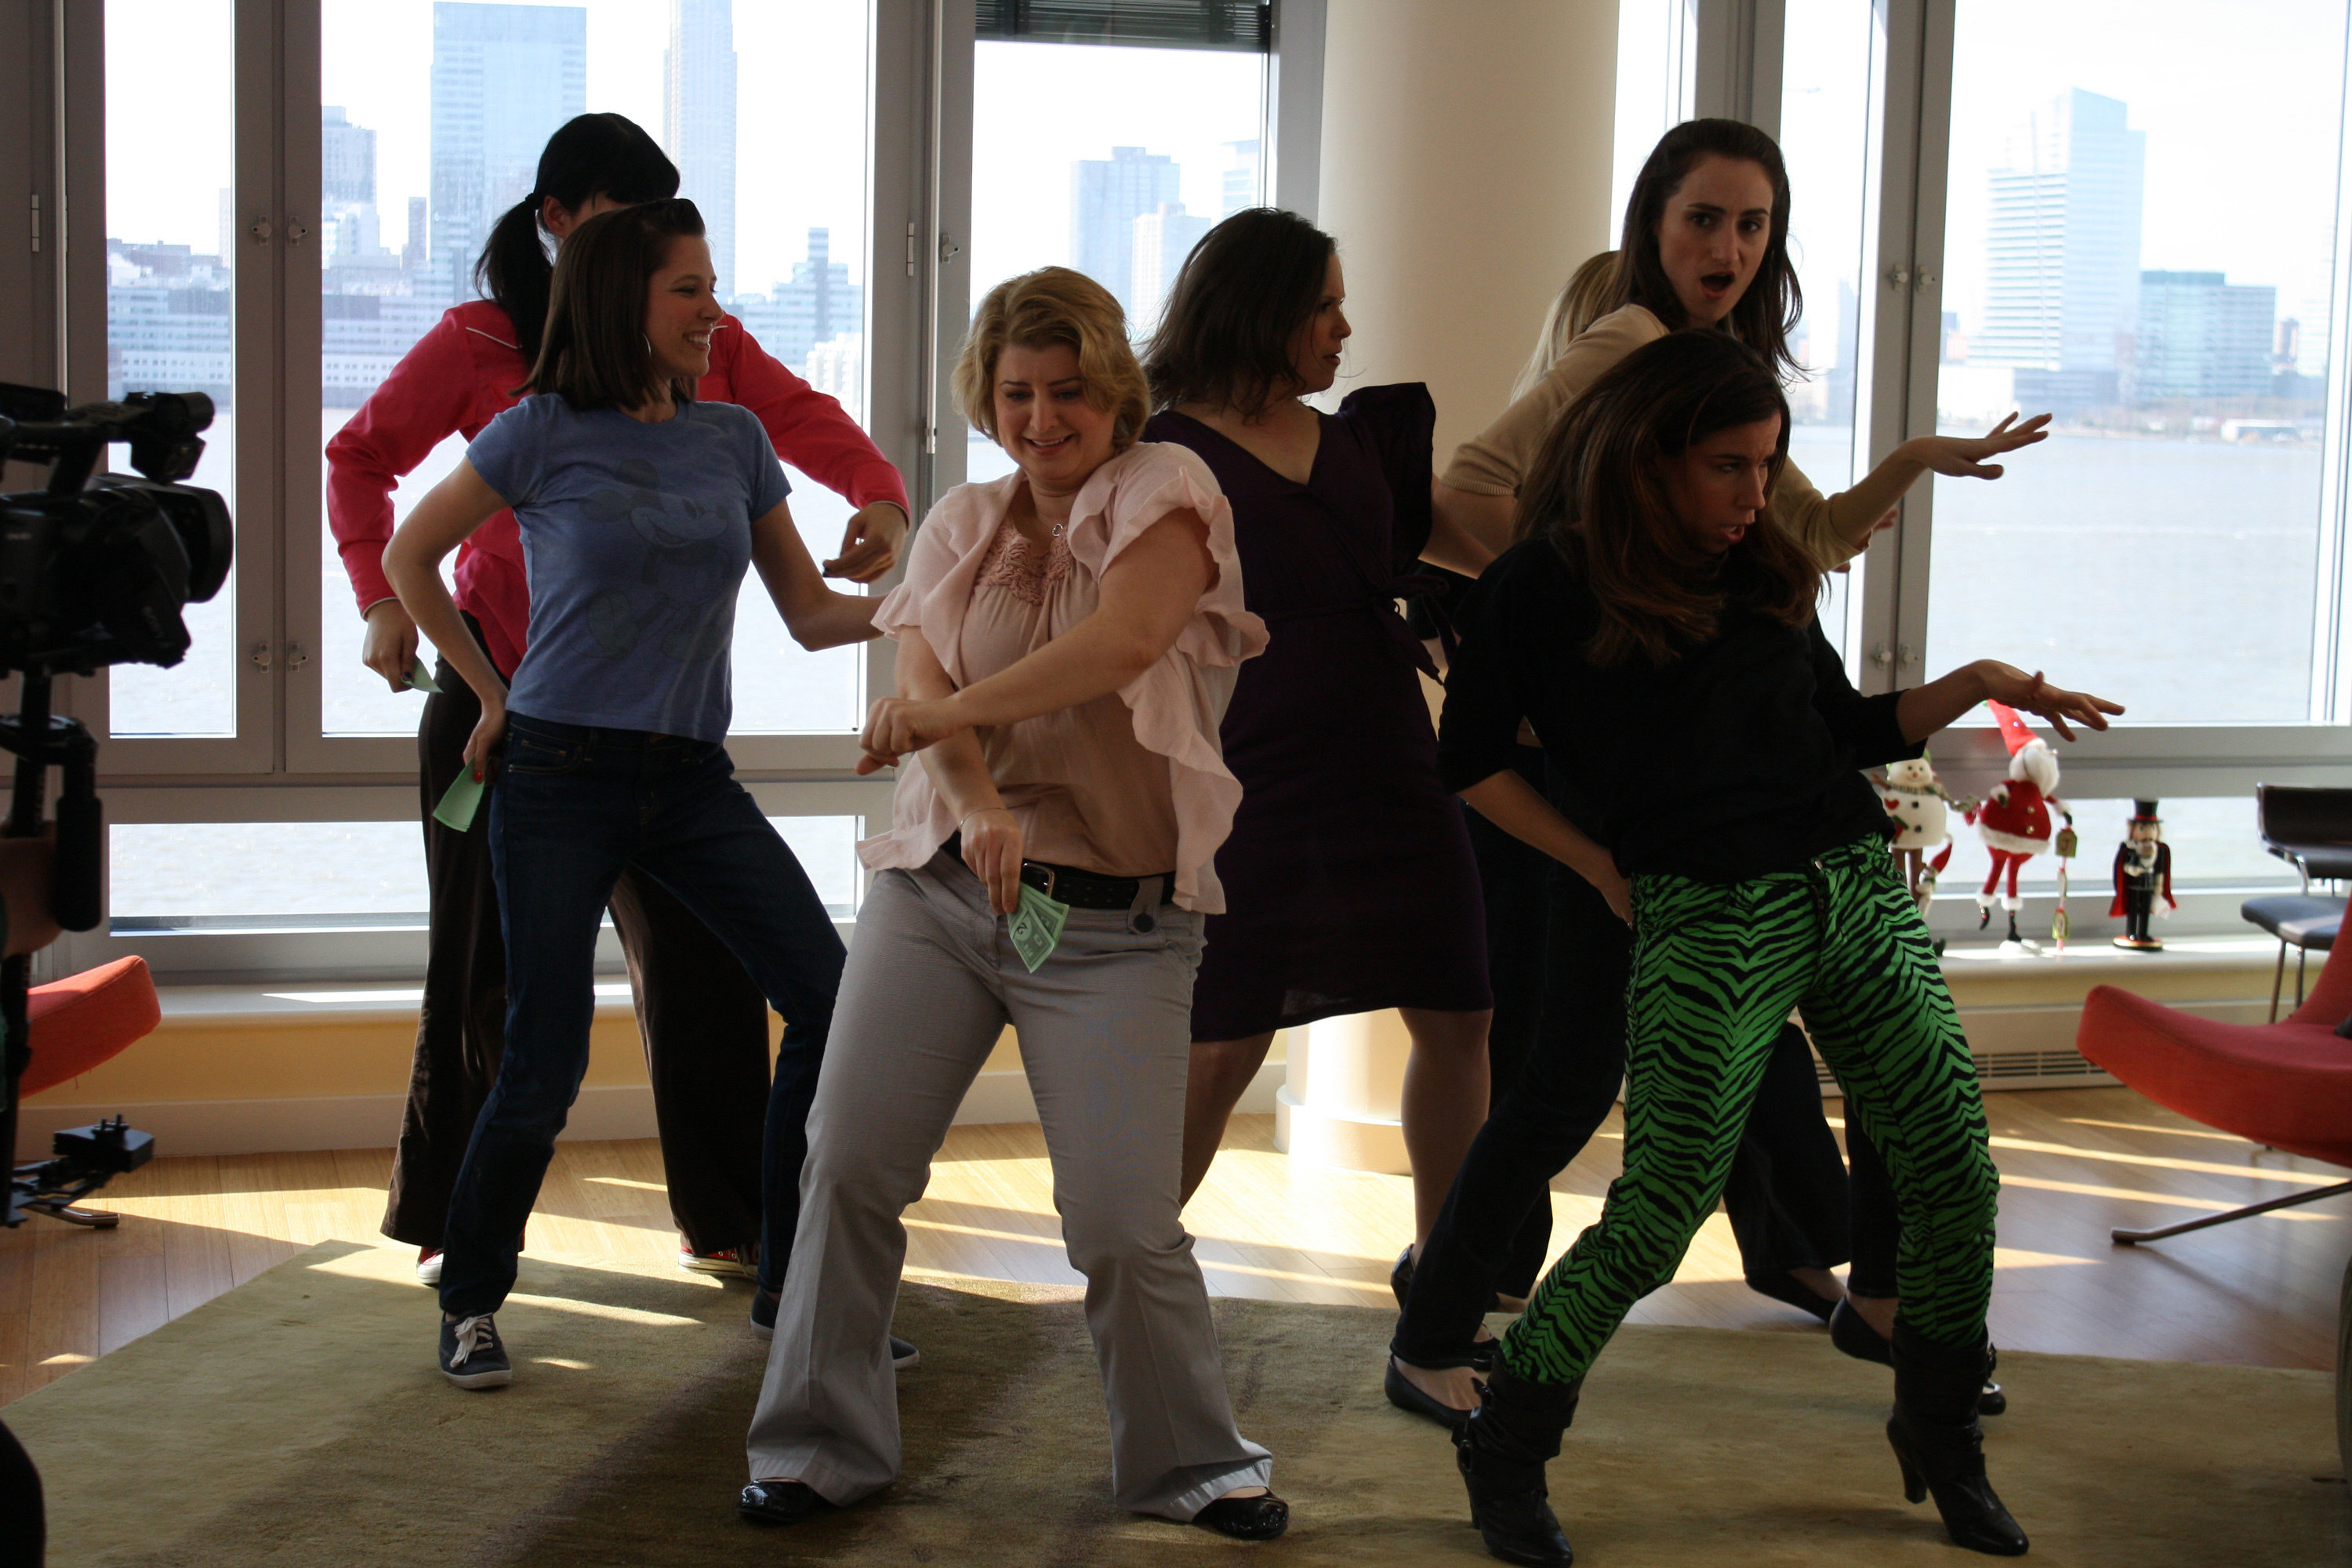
(704, 1024)
(24, 1538)
(1788, 1195)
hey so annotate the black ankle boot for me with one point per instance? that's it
(1937, 1442)
(1501, 1451)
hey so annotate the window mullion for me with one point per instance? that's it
(1902, 315)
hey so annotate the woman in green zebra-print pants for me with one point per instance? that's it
(1656, 628)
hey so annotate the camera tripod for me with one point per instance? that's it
(86, 1158)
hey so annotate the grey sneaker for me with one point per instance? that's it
(471, 1355)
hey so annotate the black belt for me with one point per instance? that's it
(1081, 889)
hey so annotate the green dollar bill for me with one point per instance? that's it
(418, 680)
(1036, 927)
(463, 797)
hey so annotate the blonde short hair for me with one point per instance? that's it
(1048, 308)
(1589, 294)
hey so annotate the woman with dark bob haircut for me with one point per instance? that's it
(1657, 628)
(1352, 887)
(640, 507)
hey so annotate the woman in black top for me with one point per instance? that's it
(1658, 632)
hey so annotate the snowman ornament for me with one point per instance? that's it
(1917, 806)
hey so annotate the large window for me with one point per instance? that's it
(294, 192)
(1173, 139)
(2079, 207)
(2126, 247)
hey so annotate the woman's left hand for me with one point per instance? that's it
(2031, 694)
(869, 546)
(1964, 459)
(897, 725)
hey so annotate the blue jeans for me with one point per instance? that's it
(572, 807)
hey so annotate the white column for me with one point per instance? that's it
(1466, 167)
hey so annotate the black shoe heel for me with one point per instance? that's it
(1940, 1446)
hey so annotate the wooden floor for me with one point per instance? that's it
(2261, 1291)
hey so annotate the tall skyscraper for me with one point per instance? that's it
(346, 158)
(2062, 292)
(2200, 335)
(1164, 237)
(1240, 182)
(347, 186)
(699, 120)
(1107, 196)
(819, 305)
(504, 78)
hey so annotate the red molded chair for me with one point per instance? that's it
(80, 1021)
(2287, 1085)
(74, 1025)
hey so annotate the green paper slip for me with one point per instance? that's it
(1036, 927)
(420, 681)
(464, 798)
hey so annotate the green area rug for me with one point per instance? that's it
(299, 1420)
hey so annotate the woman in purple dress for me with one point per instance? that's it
(1349, 877)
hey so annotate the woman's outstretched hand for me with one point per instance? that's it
(992, 847)
(870, 544)
(898, 725)
(2031, 694)
(1965, 458)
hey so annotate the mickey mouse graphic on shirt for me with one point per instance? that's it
(686, 573)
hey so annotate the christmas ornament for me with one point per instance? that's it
(2015, 821)
(2143, 875)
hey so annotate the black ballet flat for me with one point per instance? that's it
(1412, 1401)
(1850, 1331)
(1246, 1518)
(780, 1502)
(1790, 1291)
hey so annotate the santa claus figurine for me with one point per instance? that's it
(2143, 875)
(2016, 820)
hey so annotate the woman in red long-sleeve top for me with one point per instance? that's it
(704, 1024)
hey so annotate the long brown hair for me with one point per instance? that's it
(1769, 312)
(595, 354)
(1225, 338)
(1596, 490)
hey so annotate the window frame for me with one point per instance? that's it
(280, 765)
(1737, 74)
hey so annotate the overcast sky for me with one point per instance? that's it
(2240, 104)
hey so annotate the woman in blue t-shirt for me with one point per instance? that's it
(639, 510)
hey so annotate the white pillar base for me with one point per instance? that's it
(1351, 1143)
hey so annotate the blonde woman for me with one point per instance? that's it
(1067, 638)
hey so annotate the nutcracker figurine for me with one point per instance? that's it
(2015, 820)
(2143, 875)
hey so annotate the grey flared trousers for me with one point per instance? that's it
(1104, 1028)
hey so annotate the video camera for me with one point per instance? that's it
(95, 569)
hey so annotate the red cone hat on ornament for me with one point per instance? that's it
(2013, 733)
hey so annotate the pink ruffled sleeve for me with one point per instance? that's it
(1179, 701)
(1177, 704)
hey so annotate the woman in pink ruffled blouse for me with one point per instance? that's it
(1068, 639)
